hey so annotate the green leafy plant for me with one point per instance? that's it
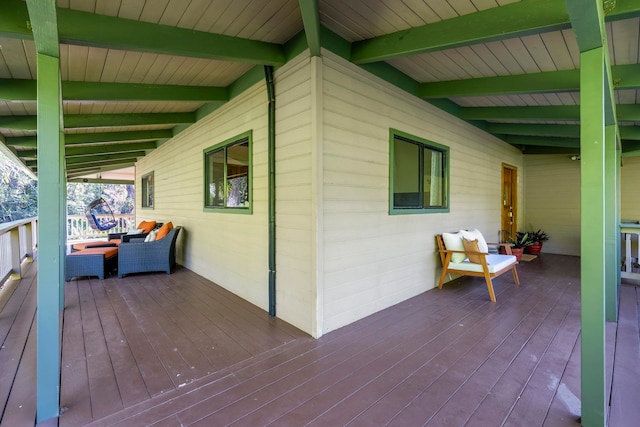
(521, 239)
(538, 236)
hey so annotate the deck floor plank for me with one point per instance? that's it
(625, 410)
(128, 378)
(479, 353)
(74, 381)
(445, 357)
(16, 323)
(103, 386)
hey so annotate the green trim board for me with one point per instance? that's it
(25, 90)
(498, 23)
(411, 160)
(234, 172)
(311, 21)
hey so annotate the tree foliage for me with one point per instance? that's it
(19, 194)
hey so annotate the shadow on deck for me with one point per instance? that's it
(177, 350)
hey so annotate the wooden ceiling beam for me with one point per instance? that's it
(25, 90)
(498, 23)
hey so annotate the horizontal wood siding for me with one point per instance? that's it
(552, 201)
(373, 260)
(629, 183)
(229, 249)
(294, 194)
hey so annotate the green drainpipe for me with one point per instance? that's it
(271, 93)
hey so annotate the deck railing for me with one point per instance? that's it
(17, 242)
(78, 227)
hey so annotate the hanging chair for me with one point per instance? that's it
(102, 208)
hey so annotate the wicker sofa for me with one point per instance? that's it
(137, 256)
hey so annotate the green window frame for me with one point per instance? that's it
(147, 190)
(228, 175)
(418, 175)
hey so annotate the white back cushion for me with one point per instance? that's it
(453, 242)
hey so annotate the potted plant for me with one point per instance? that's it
(537, 238)
(520, 241)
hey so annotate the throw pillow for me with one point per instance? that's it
(164, 230)
(476, 235)
(453, 242)
(151, 236)
(472, 246)
(147, 226)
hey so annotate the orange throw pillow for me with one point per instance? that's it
(164, 230)
(146, 226)
(472, 246)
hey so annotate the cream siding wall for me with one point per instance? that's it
(552, 201)
(371, 259)
(294, 198)
(229, 249)
(629, 185)
(232, 249)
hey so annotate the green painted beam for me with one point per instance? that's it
(25, 90)
(623, 76)
(532, 149)
(572, 131)
(630, 132)
(79, 28)
(97, 159)
(51, 205)
(72, 121)
(311, 21)
(78, 91)
(109, 149)
(624, 112)
(98, 137)
(612, 260)
(592, 226)
(87, 168)
(550, 112)
(542, 141)
(498, 23)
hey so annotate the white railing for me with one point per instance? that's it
(18, 239)
(78, 227)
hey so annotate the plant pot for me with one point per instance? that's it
(517, 252)
(534, 249)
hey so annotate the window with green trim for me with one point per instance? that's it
(419, 175)
(147, 191)
(227, 169)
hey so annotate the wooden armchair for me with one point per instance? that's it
(469, 261)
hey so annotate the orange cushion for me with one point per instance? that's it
(85, 245)
(146, 226)
(108, 252)
(164, 230)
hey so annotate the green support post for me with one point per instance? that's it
(50, 239)
(612, 224)
(592, 178)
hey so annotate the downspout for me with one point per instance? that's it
(271, 170)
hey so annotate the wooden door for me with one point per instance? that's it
(509, 199)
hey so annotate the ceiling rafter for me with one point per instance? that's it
(25, 90)
(79, 28)
(498, 23)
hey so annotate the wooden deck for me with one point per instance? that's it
(180, 351)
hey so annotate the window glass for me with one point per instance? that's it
(228, 175)
(147, 190)
(419, 175)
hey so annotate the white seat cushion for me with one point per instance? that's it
(496, 263)
(453, 242)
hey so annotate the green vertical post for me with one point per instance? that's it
(592, 211)
(612, 224)
(50, 238)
